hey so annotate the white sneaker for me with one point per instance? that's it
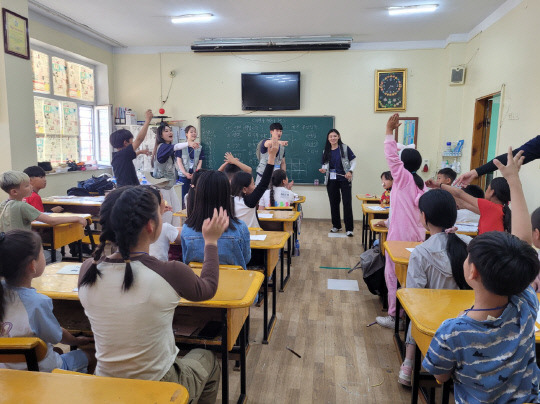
(389, 322)
(334, 230)
(350, 234)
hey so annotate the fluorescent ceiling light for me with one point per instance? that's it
(192, 18)
(421, 8)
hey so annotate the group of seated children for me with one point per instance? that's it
(489, 349)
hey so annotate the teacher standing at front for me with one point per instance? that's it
(338, 163)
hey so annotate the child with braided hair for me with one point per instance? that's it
(130, 297)
(280, 193)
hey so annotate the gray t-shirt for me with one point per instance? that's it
(17, 215)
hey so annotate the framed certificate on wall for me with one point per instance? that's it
(391, 90)
(16, 41)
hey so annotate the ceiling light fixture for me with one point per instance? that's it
(192, 18)
(420, 8)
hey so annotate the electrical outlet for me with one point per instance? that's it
(513, 116)
(172, 74)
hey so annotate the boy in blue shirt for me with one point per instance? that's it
(489, 350)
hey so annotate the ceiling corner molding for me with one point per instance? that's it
(504, 9)
(406, 45)
(61, 22)
(148, 50)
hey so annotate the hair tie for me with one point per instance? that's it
(413, 172)
(451, 230)
(2, 236)
(127, 261)
(94, 262)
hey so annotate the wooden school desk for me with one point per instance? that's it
(273, 243)
(369, 213)
(282, 220)
(427, 309)
(381, 231)
(61, 235)
(19, 386)
(366, 198)
(230, 306)
(397, 250)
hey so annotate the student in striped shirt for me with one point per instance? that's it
(489, 349)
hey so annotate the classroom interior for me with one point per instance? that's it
(341, 361)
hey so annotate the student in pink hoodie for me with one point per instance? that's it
(404, 221)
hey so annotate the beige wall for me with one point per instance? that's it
(333, 83)
(507, 55)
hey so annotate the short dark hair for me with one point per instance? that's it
(535, 219)
(213, 191)
(507, 265)
(276, 125)
(448, 173)
(474, 190)
(118, 137)
(387, 176)
(34, 171)
(230, 170)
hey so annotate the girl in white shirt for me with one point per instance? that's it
(280, 193)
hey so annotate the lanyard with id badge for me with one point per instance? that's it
(333, 174)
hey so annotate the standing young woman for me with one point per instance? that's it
(189, 160)
(338, 163)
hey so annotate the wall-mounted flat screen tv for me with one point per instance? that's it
(271, 91)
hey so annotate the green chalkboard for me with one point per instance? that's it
(241, 134)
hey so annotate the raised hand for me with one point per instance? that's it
(148, 115)
(465, 179)
(212, 229)
(513, 164)
(392, 124)
(431, 184)
(229, 158)
(273, 149)
(193, 145)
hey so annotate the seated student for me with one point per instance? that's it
(130, 297)
(38, 182)
(16, 214)
(280, 193)
(437, 263)
(495, 214)
(465, 215)
(535, 222)
(489, 350)
(246, 195)
(387, 182)
(232, 165)
(169, 234)
(213, 192)
(26, 313)
(445, 176)
(122, 159)
(190, 196)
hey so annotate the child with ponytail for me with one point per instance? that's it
(437, 263)
(280, 193)
(403, 223)
(27, 313)
(495, 214)
(130, 297)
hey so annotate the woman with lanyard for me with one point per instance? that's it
(338, 163)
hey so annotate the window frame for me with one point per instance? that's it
(80, 103)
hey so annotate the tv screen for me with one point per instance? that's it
(270, 91)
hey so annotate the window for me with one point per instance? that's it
(69, 125)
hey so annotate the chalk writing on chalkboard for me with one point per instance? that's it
(240, 135)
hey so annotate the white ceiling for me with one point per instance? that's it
(146, 23)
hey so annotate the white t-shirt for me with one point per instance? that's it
(246, 214)
(282, 197)
(160, 249)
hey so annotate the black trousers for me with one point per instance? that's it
(334, 187)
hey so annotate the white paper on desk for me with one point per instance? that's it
(537, 322)
(409, 249)
(257, 237)
(467, 227)
(378, 208)
(70, 270)
(266, 215)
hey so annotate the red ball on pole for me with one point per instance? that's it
(161, 111)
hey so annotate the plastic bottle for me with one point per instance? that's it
(113, 180)
(449, 147)
(458, 168)
(316, 182)
(144, 181)
(297, 248)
